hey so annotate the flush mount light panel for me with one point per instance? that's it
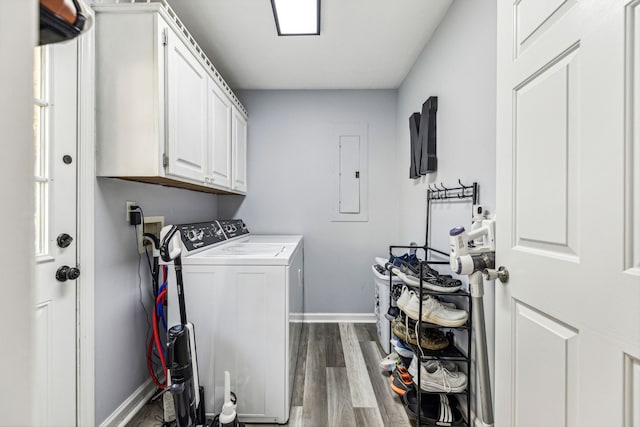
(297, 17)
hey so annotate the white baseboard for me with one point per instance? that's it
(130, 407)
(339, 318)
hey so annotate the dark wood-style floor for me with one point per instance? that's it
(338, 382)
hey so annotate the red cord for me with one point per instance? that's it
(156, 337)
(156, 334)
(150, 366)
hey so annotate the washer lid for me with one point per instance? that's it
(243, 253)
(247, 249)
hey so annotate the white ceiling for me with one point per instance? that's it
(364, 44)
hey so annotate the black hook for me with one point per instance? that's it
(445, 189)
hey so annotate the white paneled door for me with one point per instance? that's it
(568, 174)
(55, 134)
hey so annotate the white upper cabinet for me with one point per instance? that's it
(219, 143)
(239, 169)
(186, 106)
(164, 114)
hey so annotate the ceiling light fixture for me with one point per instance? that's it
(297, 17)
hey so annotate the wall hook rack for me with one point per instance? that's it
(443, 193)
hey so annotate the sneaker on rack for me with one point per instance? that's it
(404, 298)
(399, 383)
(431, 279)
(434, 311)
(431, 339)
(400, 348)
(412, 306)
(442, 283)
(447, 364)
(389, 362)
(435, 409)
(439, 376)
(435, 339)
(392, 313)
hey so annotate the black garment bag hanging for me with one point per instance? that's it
(422, 131)
(414, 130)
(428, 159)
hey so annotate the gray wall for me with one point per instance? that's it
(459, 66)
(290, 168)
(121, 325)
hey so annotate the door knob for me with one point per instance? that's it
(502, 274)
(65, 273)
(64, 240)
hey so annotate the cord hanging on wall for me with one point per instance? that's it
(422, 131)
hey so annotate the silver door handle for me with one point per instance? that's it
(502, 274)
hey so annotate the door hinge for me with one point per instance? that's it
(165, 40)
(165, 160)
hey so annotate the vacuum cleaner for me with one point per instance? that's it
(473, 254)
(182, 362)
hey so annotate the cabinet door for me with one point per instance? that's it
(219, 144)
(239, 148)
(186, 106)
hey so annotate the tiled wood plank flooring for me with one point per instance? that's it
(338, 382)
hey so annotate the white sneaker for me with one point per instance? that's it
(431, 364)
(412, 307)
(435, 377)
(405, 298)
(434, 312)
(447, 364)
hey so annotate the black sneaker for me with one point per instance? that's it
(436, 409)
(392, 313)
(443, 283)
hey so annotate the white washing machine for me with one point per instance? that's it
(244, 294)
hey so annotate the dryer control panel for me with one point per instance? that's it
(233, 227)
(200, 235)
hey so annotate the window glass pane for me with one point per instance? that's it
(40, 247)
(40, 145)
(37, 136)
(37, 72)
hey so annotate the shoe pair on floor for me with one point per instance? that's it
(433, 310)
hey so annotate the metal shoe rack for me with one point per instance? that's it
(453, 352)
